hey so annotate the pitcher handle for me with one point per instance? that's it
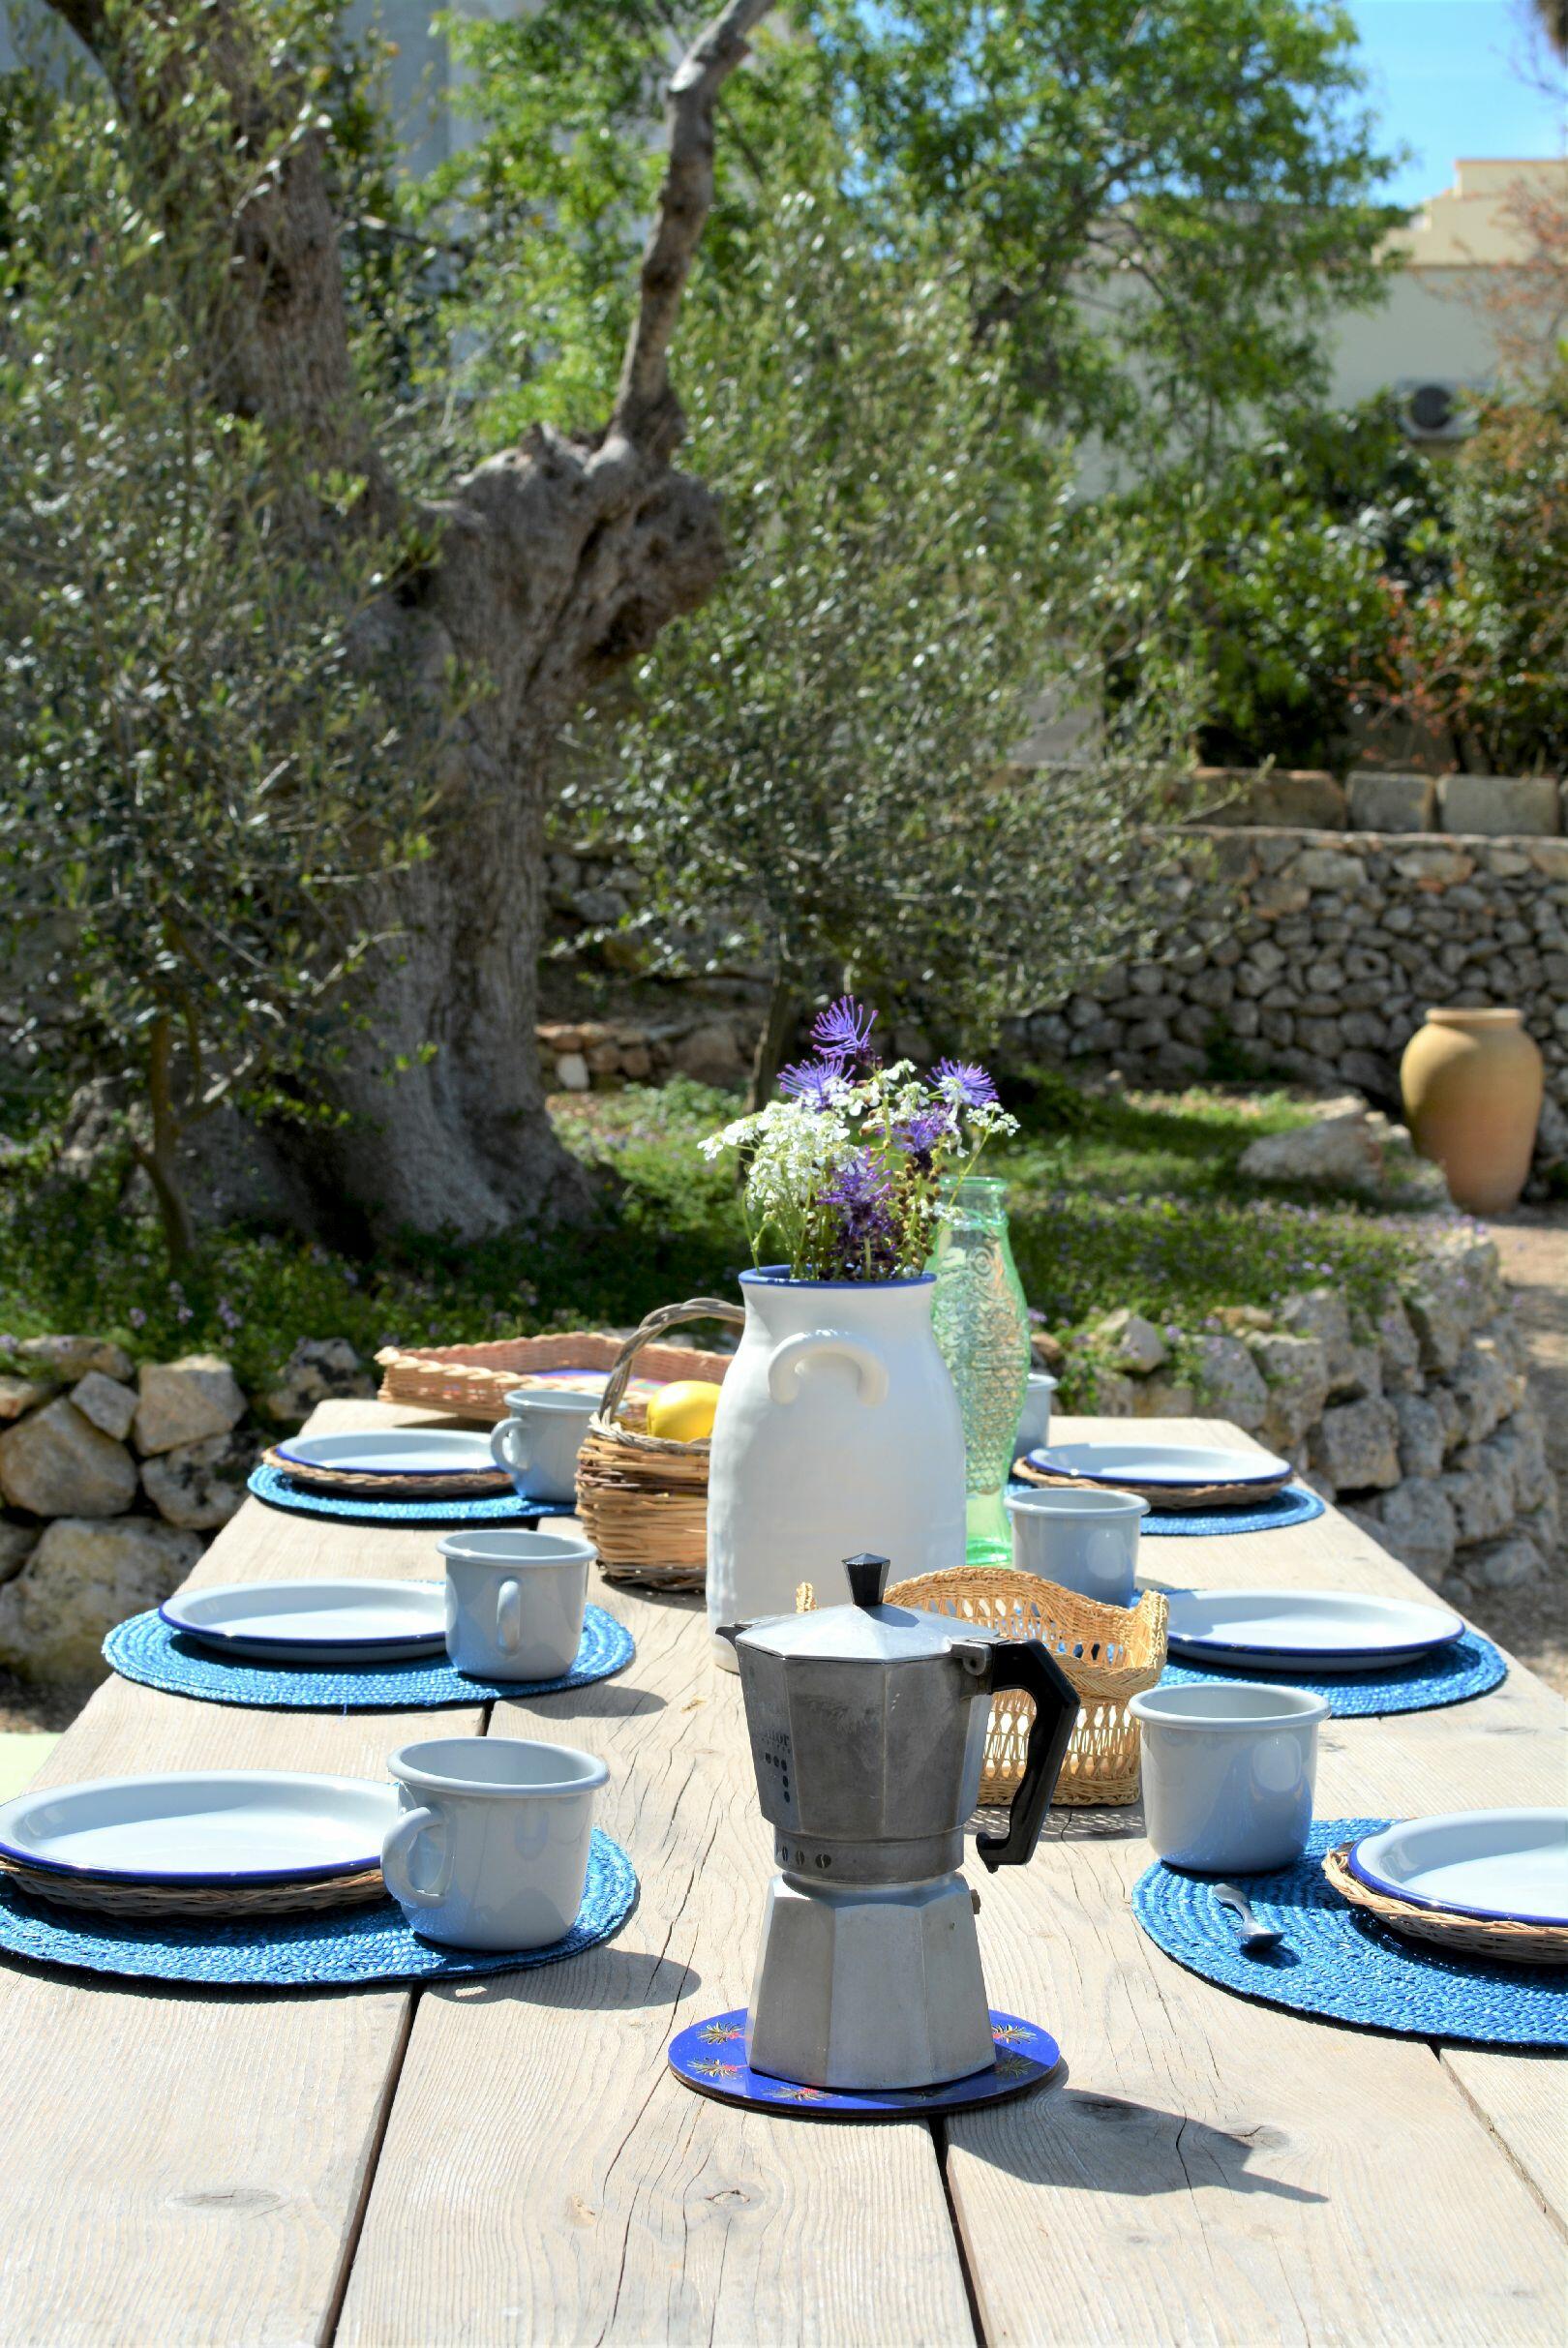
(790, 1360)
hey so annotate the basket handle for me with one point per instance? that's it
(668, 1316)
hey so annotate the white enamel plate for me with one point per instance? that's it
(1293, 1630)
(1508, 1863)
(396, 1450)
(1173, 1463)
(203, 1826)
(331, 1622)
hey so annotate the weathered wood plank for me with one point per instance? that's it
(544, 2177)
(187, 2167)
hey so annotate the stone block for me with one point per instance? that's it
(199, 1486)
(1434, 866)
(1499, 806)
(108, 1405)
(18, 1543)
(1480, 1485)
(1159, 1399)
(1523, 1445)
(1228, 1383)
(1327, 868)
(710, 1055)
(184, 1401)
(319, 1369)
(1391, 802)
(572, 1072)
(1512, 1564)
(1357, 1444)
(1399, 1349)
(1416, 1521)
(56, 1463)
(1486, 1388)
(19, 1394)
(1321, 1314)
(1129, 1341)
(1306, 799)
(68, 1357)
(1296, 1371)
(80, 1580)
(1339, 1153)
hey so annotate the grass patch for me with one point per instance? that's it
(1116, 1200)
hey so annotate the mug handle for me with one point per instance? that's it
(398, 1849)
(502, 1439)
(509, 1617)
(789, 1361)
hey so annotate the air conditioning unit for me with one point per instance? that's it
(1436, 410)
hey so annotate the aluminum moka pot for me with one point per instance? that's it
(868, 1726)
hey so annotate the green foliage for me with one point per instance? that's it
(1139, 1203)
(814, 775)
(203, 766)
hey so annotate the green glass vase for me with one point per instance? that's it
(982, 1325)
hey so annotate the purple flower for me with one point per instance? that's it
(810, 1081)
(866, 1238)
(844, 1030)
(920, 1134)
(964, 1080)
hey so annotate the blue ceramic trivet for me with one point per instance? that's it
(145, 1648)
(1467, 1666)
(1337, 1961)
(711, 2057)
(281, 1491)
(1295, 1505)
(356, 1948)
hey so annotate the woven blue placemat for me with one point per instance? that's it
(356, 1948)
(281, 1491)
(145, 1648)
(1339, 1963)
(1295, 1505)
(1468, 1666)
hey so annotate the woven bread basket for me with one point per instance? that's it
(1461, 1936)
(643, 1499)
(473, 1381)
(1109, 1653)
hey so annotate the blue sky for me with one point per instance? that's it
(1443, 78)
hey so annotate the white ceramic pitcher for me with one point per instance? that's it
(837, 1430)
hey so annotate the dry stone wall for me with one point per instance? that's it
(1314, 954)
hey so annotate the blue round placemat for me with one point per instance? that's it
(1468, 1666)
(145, 1648)
(1337, 1962)
(711, 2057)
(356, 1948)
(1295, 1505)
(281, 1491)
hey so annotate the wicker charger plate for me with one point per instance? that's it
(473, 1381)
(1158, 1495)
(217, 1902)
(1461, 1936)
(467, 1484)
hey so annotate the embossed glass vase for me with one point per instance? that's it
(982, 1328)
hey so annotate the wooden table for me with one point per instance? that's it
(509, 2161)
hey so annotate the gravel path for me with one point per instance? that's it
(1533, 1244)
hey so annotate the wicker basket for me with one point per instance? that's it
(643, 1499)
(473, 1381)
(216, 1903)
(1496, 1937)
(1108, 1652)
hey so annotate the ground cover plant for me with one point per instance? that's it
(1119, 1199)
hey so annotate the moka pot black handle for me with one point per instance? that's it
(1029, 1666)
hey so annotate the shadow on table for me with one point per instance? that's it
(599, 1699)
(1071, 2137)
(607, 1979)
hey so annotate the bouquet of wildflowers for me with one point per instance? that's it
(848, 1172)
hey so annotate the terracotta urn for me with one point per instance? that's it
(1471, 1082)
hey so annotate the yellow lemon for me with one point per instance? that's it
(682, 1413)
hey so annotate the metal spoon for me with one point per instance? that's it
(1256, 1939)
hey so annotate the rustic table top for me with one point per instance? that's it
(509, 2158)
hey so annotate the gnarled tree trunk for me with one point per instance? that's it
(555, 560)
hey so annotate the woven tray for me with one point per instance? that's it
(1461, 1936)
(641, 1498)
(1110, 1653)
(217, 1902)
(469, 1484)
(1160, 1495)
(473, 1381)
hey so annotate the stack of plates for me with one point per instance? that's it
(395, 1464)
(1304, 1631)
(1478, 1882)
(222, 1844)
(1167, 1475)
(330, 1623)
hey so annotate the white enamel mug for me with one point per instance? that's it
(1228, 1772)
(538, 1444)
(1034, 1419)
(491, 1846)
(1082, 1541)
(514, 1601)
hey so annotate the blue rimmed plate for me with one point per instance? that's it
(230, 1826)
(1508, 1865)
(325, 1622)
(1304, 1630)
(1179, 1465)
(393, 1451)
